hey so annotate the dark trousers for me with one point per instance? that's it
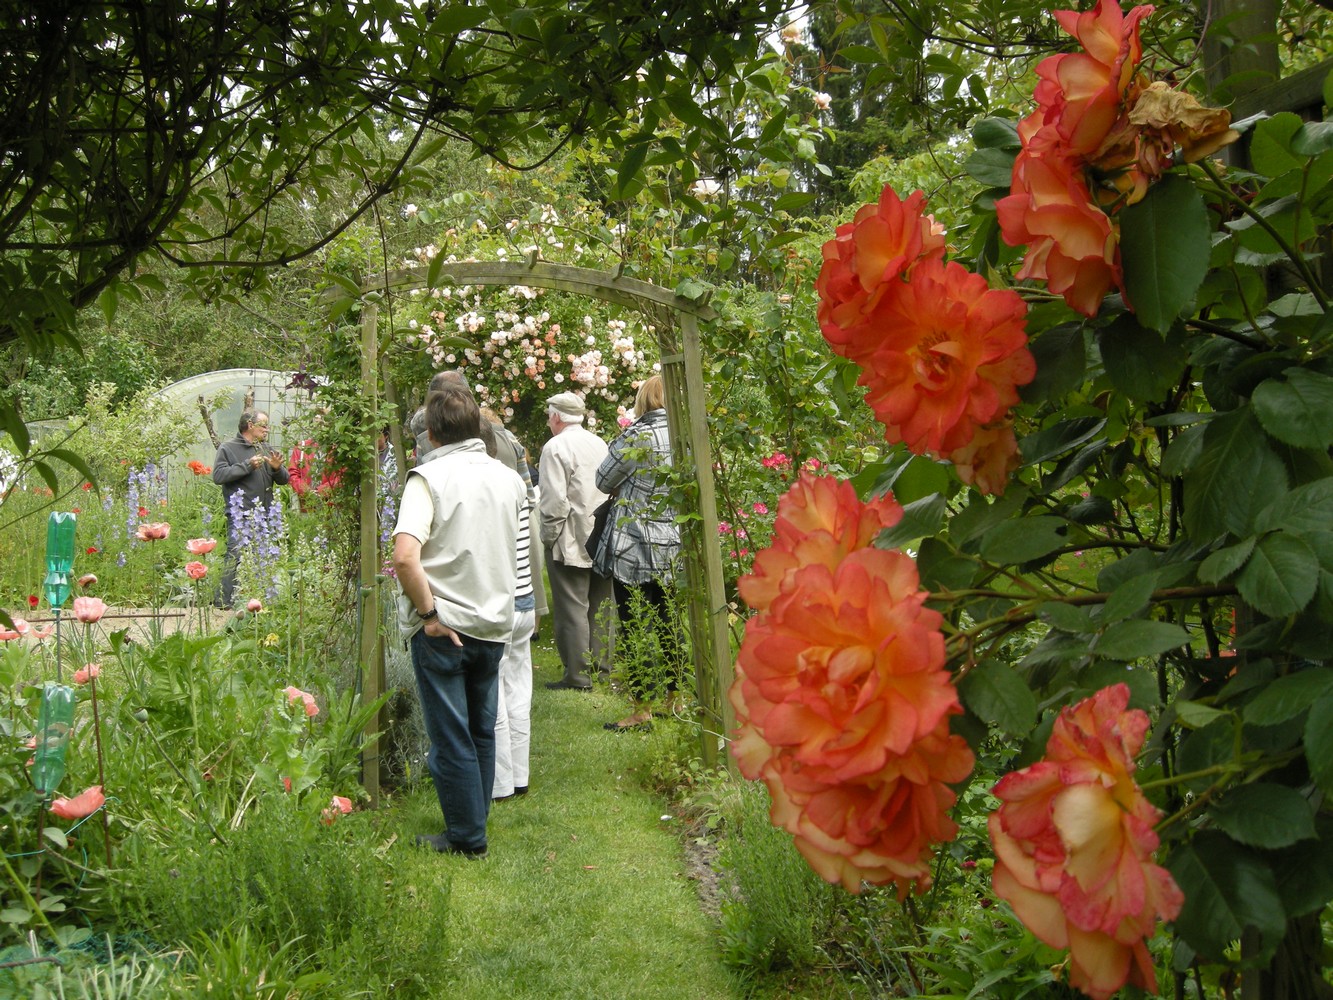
(653, 613)
(459, 686)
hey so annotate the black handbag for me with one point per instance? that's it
(600, 517)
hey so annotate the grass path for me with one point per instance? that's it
(585, 892)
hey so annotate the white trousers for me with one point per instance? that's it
(513, 717)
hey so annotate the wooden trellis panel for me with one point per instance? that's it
(676, 322)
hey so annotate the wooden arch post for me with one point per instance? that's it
(676, 321)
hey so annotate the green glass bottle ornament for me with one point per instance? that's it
(54, 721)
(59, 558)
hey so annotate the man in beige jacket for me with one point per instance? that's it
(582, 605)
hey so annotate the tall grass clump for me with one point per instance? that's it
(328, 901)
(779, 912)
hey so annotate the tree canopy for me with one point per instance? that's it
(175, 130)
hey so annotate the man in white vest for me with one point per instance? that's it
(455, 552)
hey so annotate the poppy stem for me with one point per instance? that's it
(101, 771)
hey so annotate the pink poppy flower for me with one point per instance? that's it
(286, 784)
(84, 804)
(200, 546)
(87, 673)
(89, 609)
(338, 806)
(295, 693)
(153, 532)
(88, 580)
(254, 604)
(196, 570)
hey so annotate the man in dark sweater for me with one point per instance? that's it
(247, 470)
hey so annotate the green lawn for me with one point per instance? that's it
(585, 891)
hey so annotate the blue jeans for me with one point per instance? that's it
(458, 686)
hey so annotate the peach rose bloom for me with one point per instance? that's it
(820, 520)
(1074, 840)
(841, 694)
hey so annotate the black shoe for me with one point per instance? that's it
(520, 789)
(564, 685)
(439, 843)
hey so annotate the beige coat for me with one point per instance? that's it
(569, 492)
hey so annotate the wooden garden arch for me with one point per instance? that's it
(676, 321)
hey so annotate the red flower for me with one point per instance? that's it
(33, 600)
(1073, 842)
(863, 263)
(841, 694)
(950, 358)
(143, 511)
(89, 609)
(91, 550)
(86, 486)
(84, 804)
(198, 468)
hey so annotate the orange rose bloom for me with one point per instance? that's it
(1073, 845)
(1079, 131)
(953, 353)
(1072, 244)
(842, 696)
(1082, 95)
(820, 520)
(863, 262)
(988, 459)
